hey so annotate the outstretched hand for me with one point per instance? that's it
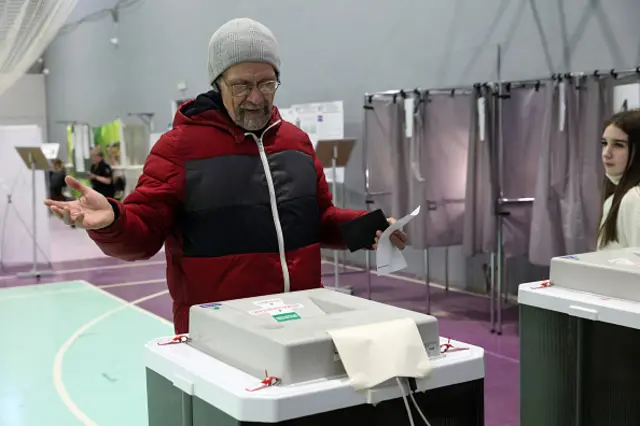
(397, 237)
(90, 211)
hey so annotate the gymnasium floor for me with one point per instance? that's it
(72, 345)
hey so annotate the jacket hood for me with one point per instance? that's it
(207, 109)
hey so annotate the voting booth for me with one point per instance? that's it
(580, 341)
(312, 357)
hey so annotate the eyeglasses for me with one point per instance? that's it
(265, 87)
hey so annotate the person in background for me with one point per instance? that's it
(620, 221)
(57, 183)
(119, 181)
(236, 194)
(101, 174)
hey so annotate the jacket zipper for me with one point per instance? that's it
(274, 205)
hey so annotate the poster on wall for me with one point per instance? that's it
(306, 118)
(330, 120)
(322, 121)
(288, 114)
(626, 97)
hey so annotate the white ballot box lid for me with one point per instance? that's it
(198, 374)
(580, 304)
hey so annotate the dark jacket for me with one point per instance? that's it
(56, 183)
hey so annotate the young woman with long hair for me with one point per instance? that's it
(620, 221)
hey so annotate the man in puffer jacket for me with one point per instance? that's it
(236, 194)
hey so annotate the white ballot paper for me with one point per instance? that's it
(374, 353)
(389, 258)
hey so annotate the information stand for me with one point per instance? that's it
(334, 153)
(34, 159)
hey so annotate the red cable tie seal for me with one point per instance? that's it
(181, 338)
(266, 383)
(544, 284)
(448, 347)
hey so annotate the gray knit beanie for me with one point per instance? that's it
(241, 40)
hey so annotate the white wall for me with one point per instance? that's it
(16, 218)
(25, 103)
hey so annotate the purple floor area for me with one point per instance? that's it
(461, 316)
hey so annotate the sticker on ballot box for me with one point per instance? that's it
(276, 309)
(289, 316)
(214, 306)
(570, 256)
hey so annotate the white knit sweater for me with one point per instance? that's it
(628, 221)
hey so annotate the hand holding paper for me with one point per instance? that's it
(389, 258)
(397, 237)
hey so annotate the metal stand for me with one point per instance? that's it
(446, 269)
(335, 154)
(492, 291)
(499, 273)
(499, 288)
(145, 117)
(427, 279)
(34, 162)
(336, 254)
(497, 156)
(368, 200)
(579, 363)
(367, 259)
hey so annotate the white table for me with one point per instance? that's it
(578, 357)
(181, 376)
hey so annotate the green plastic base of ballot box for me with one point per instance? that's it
(457, 405)
(577, 372)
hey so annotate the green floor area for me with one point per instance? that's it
(102, 371)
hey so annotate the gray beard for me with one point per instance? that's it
(253, 122)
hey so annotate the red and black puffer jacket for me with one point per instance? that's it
(241, 214)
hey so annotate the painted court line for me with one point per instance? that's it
(502, 357)
(129, 283)
(132, 304)
(41, 294)
(75, 290)
(97, 268)
(58, 362)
